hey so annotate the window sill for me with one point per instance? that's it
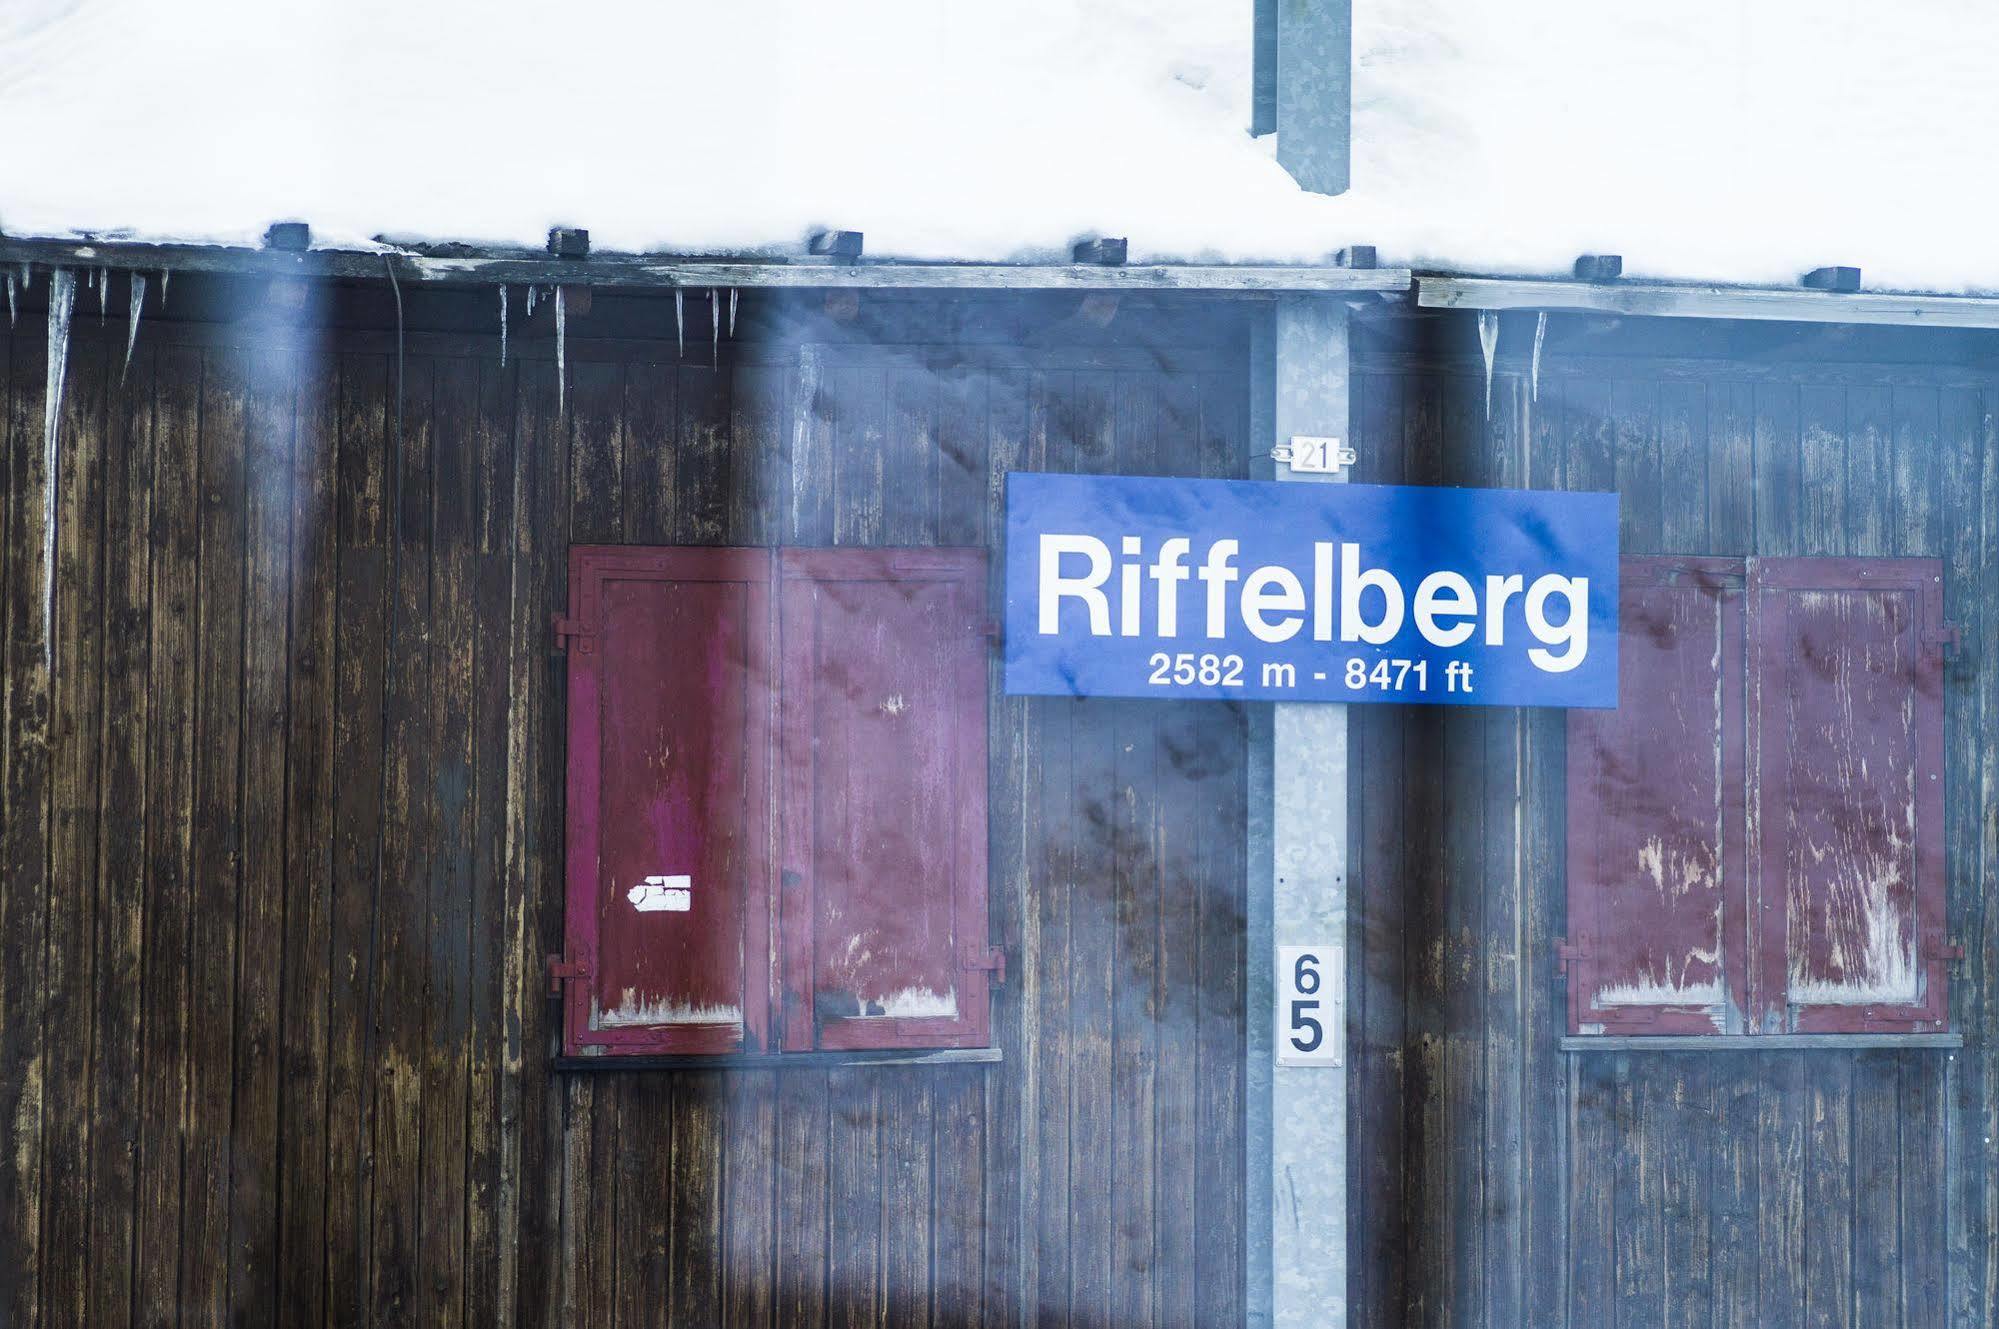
(1754, 1042)
(784, 1061)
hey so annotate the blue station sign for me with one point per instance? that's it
(1124, 586)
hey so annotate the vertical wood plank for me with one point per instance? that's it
(125, 851)
(694, 1291)
(204, 1244)
(304, 1085)
(76, 729)
(750, 1217)
(450, 884)
(854, 1200)
(169, 837)
(1780, 1187)
(360, 665)
(990, 445)
(493, 1127)
(408, 842)
(270, 425)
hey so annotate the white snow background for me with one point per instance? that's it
(1727, 140)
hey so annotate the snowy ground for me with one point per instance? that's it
(1731, 140)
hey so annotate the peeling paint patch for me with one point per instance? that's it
(663, 894)
(913, 1003)
(894, 705)
(633, 1009)
(1650, 992)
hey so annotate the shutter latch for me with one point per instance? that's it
(560, 969)
(1945, 638)
(988, 959)
(566, 628)
(1565, 954)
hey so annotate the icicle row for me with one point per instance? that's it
(560, 373)
(62, 302)
(503, 325)
(132, 328)
(1488, 345)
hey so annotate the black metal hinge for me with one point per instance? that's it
(560, 969)
(1566, 954)
(988, 959)
(567, 628)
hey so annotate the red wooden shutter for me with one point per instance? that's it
(1847, 669)
(668, 848)
(1655, 812)
(883, 810)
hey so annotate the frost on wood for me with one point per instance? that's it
(62, 303)
(636, 1009)
(132, 324)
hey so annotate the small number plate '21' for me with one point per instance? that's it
(1311, 1005)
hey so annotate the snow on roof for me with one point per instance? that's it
(1725, 140)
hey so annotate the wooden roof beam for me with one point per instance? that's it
(607, 271)
(1663, 300)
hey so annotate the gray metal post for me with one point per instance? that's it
(1297, 890)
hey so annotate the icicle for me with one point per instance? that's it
(715, 322)
(1534, 372)
(1488, 345)
(533, 291)
(103, 293)
(503, 325)
(132, 328)
(166, 275)
(680, 321)
(560, 374)
(732, 313)
(13, 307)
(62, 301)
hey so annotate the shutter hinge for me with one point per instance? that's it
(1565, 954)
(1950, 950)
(989, 959)
(1946, 638)
(560, 969)
(565, 628)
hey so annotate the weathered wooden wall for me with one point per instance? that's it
(1497, 1180)
(281, 840)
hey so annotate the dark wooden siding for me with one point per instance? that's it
(1498, 1181)
(282, 842)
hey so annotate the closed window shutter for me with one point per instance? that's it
(1655, 811)
(883, 806)
(1847, 777)
(670, 726)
